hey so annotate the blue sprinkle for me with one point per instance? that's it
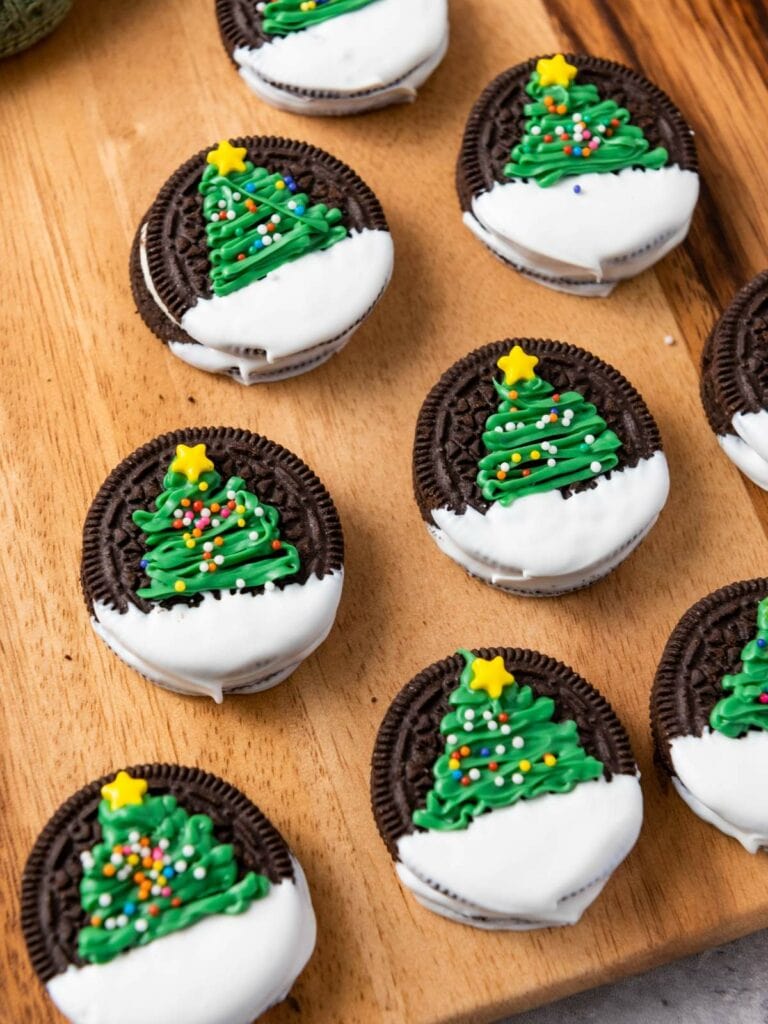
(250, 187)
(143, 563)
(577, 188)
(293, 187)
(577, 150)
(129, 908)
(456, 774)
(761, 642)
(168, 871)
(553, 410)
(485, 751)
(299, 210)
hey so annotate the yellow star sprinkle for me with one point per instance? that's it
(491, 676)
(191, 462)
(124, 790)
(555, 71)
(227, 158)
(517, 366)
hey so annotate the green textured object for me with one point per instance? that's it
(23, 22)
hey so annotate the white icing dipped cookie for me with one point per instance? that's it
(334, 57)
(187, 903)
(537, 466)
(489, 792)
(734, 371)
(558, 178)
(260, 258)
(709, 710)
(212, 562)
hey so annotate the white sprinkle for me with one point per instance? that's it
(506, 730)
(291, 204)
(122, 920)
(262, 229)
(474, 774)
(275, 218)
(518, 742)
(156, 890)
(535, 130)
(595, 467)
(499, 429)
(125, 872)
(231, 215)
(86, 859)
(109, 924)
(214, 217)
(601, 127)
(509, 426)
(219, 559)
(205, 513)
(451, 739)
(258, 511)
(203, 567)
(269, 585)
(517, 778)
(487, 715)
(504, 467)
(199, 873)
(545, 446)
(231, 495)
(221, 204)
(493, 726)
(105, 899)
(180, 867)
(590, 439)
(176, 515)
(668, 339)
(559, 130)
(188, 850)
(239, 584)
(215, 522)
(499, 780)
(469, 713)
(253, 535)
(551, 462)
(553, 449)
(116, 859)
(468, 727)
(134, 836)
(577, 117)
(266, 240)
(208, 546)
(236, 196)
(140, 924)
(277, 237)
(500, 748)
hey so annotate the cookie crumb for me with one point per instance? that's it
(668, 339)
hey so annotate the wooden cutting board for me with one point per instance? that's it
(93, 120)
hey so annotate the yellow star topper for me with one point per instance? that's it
(191, 462)
(518, 365)
(555, 71)
(123, 791)
(227, 158)
(491, 676)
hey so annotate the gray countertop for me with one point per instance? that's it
(728, 985)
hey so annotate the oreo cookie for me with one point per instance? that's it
(709, 710)
(537, 466)
(505, 789)
(162, 893)
(260, 258)
(335, 57)
(212, 561)
(577, 172)
(734, 380)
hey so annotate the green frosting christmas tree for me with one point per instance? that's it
(279, 17)
(745, 705)
(501, 746)
(156, 870)
(540, 440)
(257, 221)
(205, 535)
(570, 130)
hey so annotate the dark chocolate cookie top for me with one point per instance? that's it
(705, 645)
(112, 543)
(240, 25)
(734, 364)
(176, 242)
(409, 739)
(448, 442)
(495, 123)
(51, 913)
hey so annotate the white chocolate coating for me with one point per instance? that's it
(369, 58)
(228, 642)
(546, 543)
(537, 863)
(225, 969)
(723, 780)
(747, 448)
(297, 316)
(616, 227)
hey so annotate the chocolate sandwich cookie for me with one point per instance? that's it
(709, 710)
(260, 258)
(212, 561)
(161, 893)
(734, 380)
(577, 172)
(537, 466)
(505, 789)
(334, 56)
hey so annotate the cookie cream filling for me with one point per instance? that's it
(225, 969)
(230, 641)
(616, 225)
(723, 781)
(318, 298)
(371, 57)
(748, 447)
(549, 543)
(538, 862)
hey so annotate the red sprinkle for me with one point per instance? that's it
(503, 717)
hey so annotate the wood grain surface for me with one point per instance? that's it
(93, 120)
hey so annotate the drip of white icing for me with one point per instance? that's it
(367, 50)
(723, 781)
(528, 863)
(225, 969)
(228, 641)
(615, 227)
(547, 542)
(747, 459)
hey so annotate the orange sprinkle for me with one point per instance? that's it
(215, 506)
(185, 502)
(218, 541)
(95, 921)
(561, 108)
(513, 394)
(276, 545)
(501, 475)
(197, 532)
(553, 417)
(147, 862)
(176, 901)
(464, 751)
(108, 870)
(139, 877)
